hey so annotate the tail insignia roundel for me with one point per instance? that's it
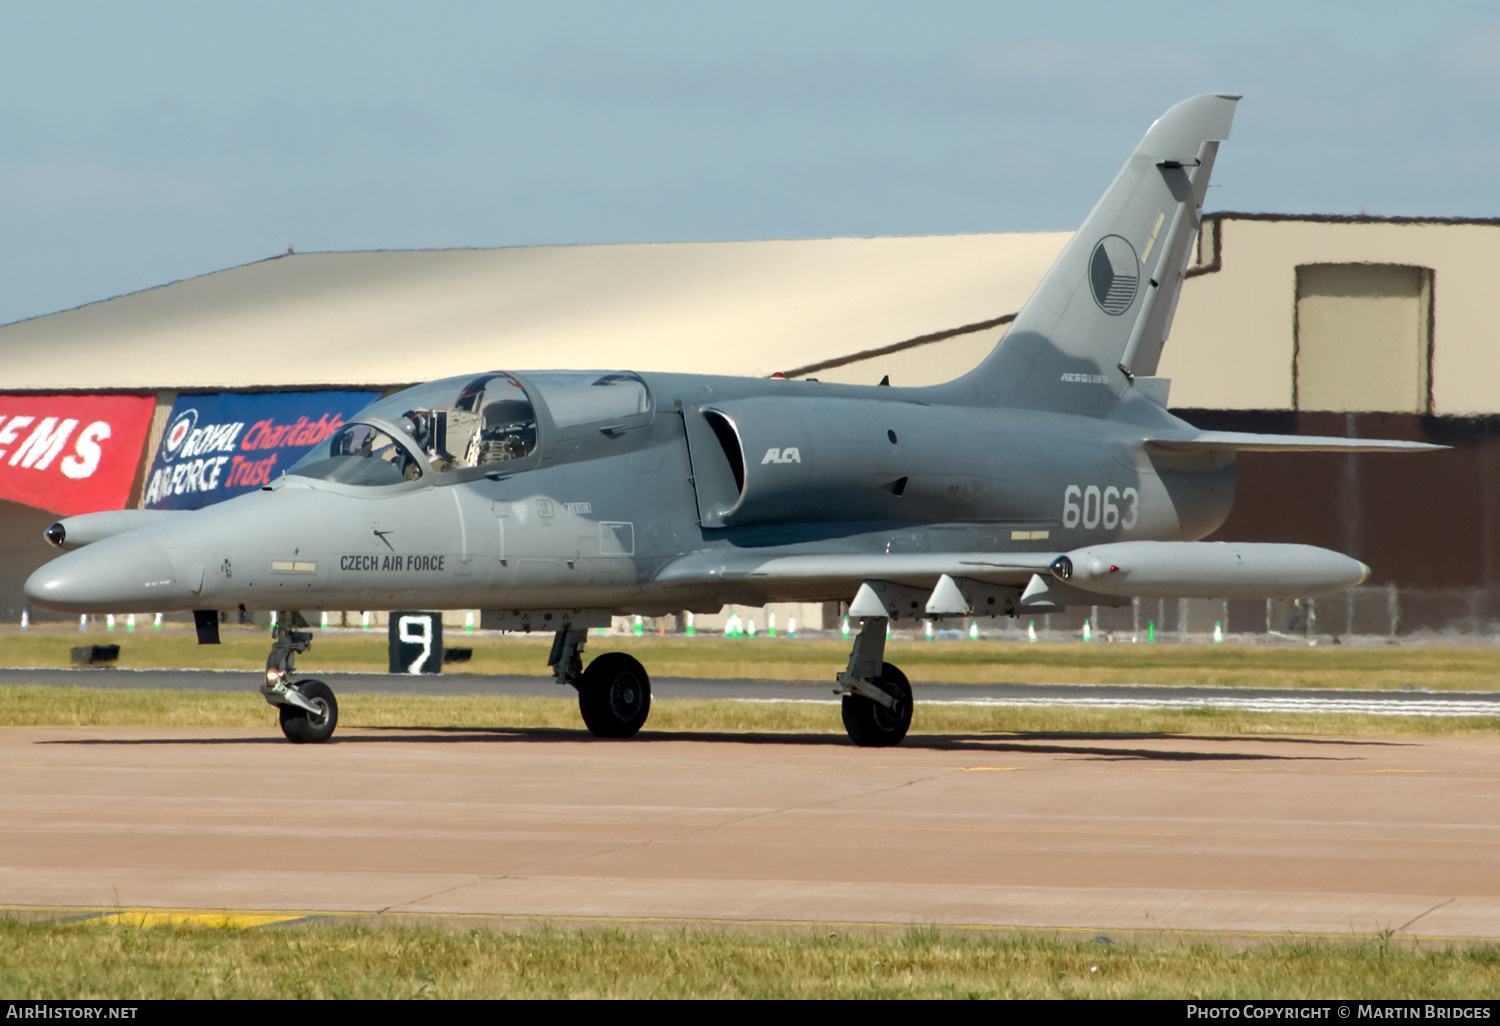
(1114, 274)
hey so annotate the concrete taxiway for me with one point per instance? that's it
(1165, 835)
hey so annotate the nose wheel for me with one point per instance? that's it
(309, 726)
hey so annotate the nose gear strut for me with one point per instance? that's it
(309, 711)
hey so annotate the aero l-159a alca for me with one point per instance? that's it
(1050, 475)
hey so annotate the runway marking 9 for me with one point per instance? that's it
(422, 637)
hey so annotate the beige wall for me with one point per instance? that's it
(1232, 342)
(1362, 337)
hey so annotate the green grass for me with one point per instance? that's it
(40, 961)
(1436, 667)
(39, 705)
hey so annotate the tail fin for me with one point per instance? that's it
(1102, 313)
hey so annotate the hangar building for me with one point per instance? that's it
(1317, 325)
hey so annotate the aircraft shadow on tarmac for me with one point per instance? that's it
(1085, 745)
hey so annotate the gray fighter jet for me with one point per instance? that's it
(1050, 475)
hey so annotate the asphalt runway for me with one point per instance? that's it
(1156, 836)
(1407, 703)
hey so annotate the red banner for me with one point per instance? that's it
(71, 453)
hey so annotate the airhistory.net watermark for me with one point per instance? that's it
(52, 1010)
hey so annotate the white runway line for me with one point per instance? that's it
(1368, 706)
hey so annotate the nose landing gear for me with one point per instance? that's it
(308, 709)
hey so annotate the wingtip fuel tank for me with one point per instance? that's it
(1235, 570)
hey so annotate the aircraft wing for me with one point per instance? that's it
(1246, 441)
(852, 569)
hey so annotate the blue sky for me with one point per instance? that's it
(146, 142)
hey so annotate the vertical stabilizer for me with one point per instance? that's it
(1101, 315)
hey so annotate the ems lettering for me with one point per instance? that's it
(9, 429)
(86, 451)
(39, 447)
(44, 443)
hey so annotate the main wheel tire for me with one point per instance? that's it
(872, 725)
(614, 696)
(302, 727)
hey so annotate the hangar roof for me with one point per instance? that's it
(391, 317)
(1243, 336)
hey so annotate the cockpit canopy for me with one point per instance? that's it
(463, 423)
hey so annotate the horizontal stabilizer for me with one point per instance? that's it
(1247, 441)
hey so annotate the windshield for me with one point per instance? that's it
(454, 423)
(360, 454)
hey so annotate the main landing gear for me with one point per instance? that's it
(614, 693)
(877, 698)
(309, 711)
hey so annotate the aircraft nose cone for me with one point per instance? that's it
(124, 574)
